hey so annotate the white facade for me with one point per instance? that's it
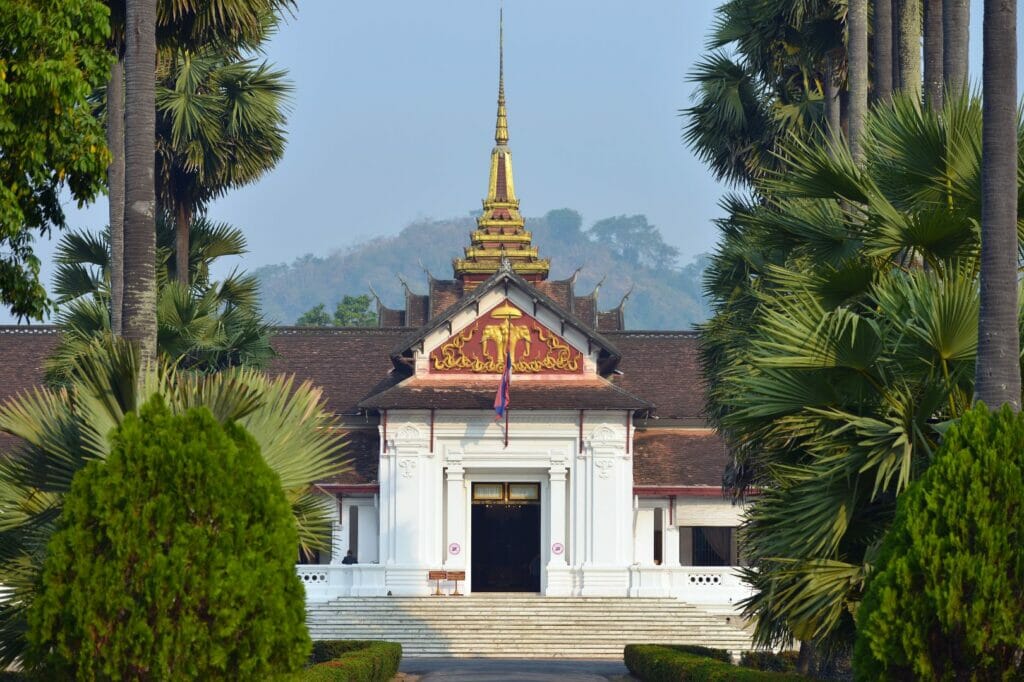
(596, 538)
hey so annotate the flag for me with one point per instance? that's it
(501, 397)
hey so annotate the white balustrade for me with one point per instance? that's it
(324, 582)
(708, 585)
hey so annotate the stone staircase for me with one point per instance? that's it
(523, 626)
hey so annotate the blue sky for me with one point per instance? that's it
(393, 120)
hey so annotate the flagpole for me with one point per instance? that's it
(508, 346)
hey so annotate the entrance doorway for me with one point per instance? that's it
(506, 537)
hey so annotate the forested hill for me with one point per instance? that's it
(625, 251)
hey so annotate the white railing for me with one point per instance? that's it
(709, 585)
(324, 582)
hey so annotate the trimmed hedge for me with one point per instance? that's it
(351, 660)
(781, 662)
(666, 663)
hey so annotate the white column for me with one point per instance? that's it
(559, 579)
(455, 550)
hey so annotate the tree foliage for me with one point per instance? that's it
(60, 431)
(173, 559)
(205, 327)
(352, 311)
(833, 355)
(52, 56)
(946, 600)
(289, 289)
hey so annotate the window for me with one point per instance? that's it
(353, 530)
(707, 546)
(659, 555)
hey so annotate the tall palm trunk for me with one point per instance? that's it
(956, 23)
(857, 73)
(934, 80)
(997, 373)
(139, 321)
(182, 222)
(909, 47)
(882, 81)
(115, 182)
(832, 115)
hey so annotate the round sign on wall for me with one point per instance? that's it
(557, 548)
(454, 548)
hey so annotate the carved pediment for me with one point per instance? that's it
(481, 346)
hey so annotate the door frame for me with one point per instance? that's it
(540, 476)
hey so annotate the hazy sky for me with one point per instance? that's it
(393, 119)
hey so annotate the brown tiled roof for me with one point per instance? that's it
(444, 293)
(362, 450)
(349, 363)
(559, 291)
(609, 321)
(585, 308)
(678, 457)
(663, 368)
(23, 350)
(416, 393)
(417, 309)
(389, 317)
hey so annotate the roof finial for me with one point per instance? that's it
(501, 127)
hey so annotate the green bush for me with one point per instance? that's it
(660, 663)
(705, 651)
(172, 559)
(781, 662)
(947, 597)
(353, 661)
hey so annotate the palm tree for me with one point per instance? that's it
(62, 430)
(205, 327)
(179, 25)
(220, 125)
(832, 359)
(777, 82)
(883, 51)
(997, 376)
(857, 70)
(934, 81)
(909, 46)
(956, 21)
(139, 316)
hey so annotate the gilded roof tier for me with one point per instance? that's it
(500, 233)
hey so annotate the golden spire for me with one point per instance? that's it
(501, 126)
(500, 235)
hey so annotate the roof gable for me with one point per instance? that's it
(599, 354)
(481, 346)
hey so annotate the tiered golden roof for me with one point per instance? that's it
(500, 232)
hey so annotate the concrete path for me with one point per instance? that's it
(513, 670)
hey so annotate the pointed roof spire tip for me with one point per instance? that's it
(501, 126)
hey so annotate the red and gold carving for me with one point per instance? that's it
(480, 348)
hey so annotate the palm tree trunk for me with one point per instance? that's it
(115, 182)
(857, 73)
(182, 222)
(956, 23)
(832, 117)
(883, 51)
(997, 373)
(933, 54)
(909, 47)
(139, 321)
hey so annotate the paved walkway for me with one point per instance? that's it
(512, 670)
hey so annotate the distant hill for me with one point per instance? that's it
(625, 251)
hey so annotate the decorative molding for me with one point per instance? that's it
(408, 432)
(604, 467)
(408, 466)
(604, 434)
